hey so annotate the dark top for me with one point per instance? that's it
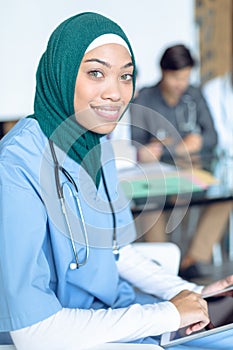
(159, 120)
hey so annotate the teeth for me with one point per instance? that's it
(111, 112)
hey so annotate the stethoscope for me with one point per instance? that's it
(190, 123)
(60, 192)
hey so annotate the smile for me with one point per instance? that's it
(108, 113)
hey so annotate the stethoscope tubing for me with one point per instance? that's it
(57, 167)
(76, 264)
(191, 122)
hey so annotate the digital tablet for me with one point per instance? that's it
(220, 306)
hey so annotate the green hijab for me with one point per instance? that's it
(55, 85)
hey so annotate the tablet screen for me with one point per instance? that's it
(220, 308)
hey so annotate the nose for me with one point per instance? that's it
(111, 90)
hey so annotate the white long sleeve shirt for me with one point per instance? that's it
(218, 93)
(82, 329)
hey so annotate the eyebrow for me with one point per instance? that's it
(106, 64)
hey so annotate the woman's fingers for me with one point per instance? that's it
(193, 310)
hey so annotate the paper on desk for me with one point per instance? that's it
(204, 177)
(170, 182)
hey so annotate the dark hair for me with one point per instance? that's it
(176, 57)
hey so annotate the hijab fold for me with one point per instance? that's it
(55, 86)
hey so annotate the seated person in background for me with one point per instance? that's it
(218, 93)
(179, 103)
(176, 120)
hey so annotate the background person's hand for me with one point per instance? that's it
(192, 143)
(193, 310)
(151, 152)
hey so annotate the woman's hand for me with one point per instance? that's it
(218, 285)
(193, 310)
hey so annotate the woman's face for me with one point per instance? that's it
(104, 87)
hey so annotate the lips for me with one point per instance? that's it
(108, 113)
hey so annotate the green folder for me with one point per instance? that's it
(167, 185)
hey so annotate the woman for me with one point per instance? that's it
(56, 293)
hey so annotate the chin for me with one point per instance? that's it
(105, 129)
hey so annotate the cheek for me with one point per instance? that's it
(169, 82)
(185, 84)
(127, 94)
(81, 99)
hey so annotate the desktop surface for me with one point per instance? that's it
(162, 186)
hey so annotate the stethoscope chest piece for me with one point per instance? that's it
(116, 253)
(73, 266)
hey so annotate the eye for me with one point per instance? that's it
(95, 74)
(127, 77)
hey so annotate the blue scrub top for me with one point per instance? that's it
(35, 248)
